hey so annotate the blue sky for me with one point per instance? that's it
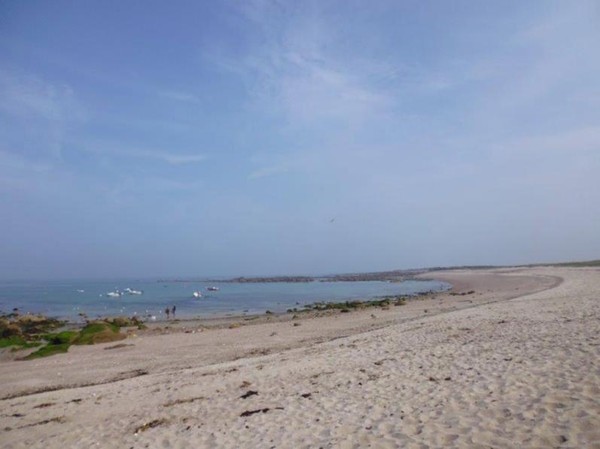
(274, 137)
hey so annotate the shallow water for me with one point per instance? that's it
(65, 300)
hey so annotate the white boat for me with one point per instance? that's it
(197, 294)
(133, 292)
(114, 294)
(212, 289)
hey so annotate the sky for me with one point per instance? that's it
(217, 138)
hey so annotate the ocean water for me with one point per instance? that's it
(67, 299)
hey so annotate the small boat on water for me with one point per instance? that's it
(212, 289)
(115, 294)
(197, 294)
(133, 292)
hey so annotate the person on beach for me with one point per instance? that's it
(173, 311)
(167, 311)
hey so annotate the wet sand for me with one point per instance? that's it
(514, 364)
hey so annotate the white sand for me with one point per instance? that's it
(480, 370)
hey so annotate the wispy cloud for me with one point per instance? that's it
(27, 96)
(180, 159)
(116, 149)
(267, 171)
(47, 110)
(295, 70)
(174, 95)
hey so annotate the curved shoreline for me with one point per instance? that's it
(164, 340)
(515, 360)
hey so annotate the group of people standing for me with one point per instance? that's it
(170, 311)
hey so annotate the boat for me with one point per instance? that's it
(133, 292)
(197, 294)
(114, 294)
(212, 289)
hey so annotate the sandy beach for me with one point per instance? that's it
(510, 358)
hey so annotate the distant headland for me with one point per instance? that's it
(386, 276)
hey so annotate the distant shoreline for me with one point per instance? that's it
(388, 275)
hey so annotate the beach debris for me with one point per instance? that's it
(380, 362)
(260, 410)
(324, 373)
(306, 395)
(297, 324)
(149, 425)
(462, 293)
(128, 375)
(57, 419)
(120, 345)
(45, 404)
(183, 401)
(248, 394)
(252, 412)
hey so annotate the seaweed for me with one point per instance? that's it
(92, 333)
(48, 350)
(17, 343)
(348, 306)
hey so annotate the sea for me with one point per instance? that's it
(68, 300)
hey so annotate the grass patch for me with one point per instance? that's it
(17, 343)
(28, 331)
(61, 337)
(92, 333)
(98, 332)
(49, 350)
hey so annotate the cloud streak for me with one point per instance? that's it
(119, 150)
(267, 171)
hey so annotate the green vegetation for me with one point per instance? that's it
(348, 306)
(122, 321)
(49, 349)
(98, 332)
(61, 337)
(55, 344)
(29, 331)
(18, 343)
(92, 333)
